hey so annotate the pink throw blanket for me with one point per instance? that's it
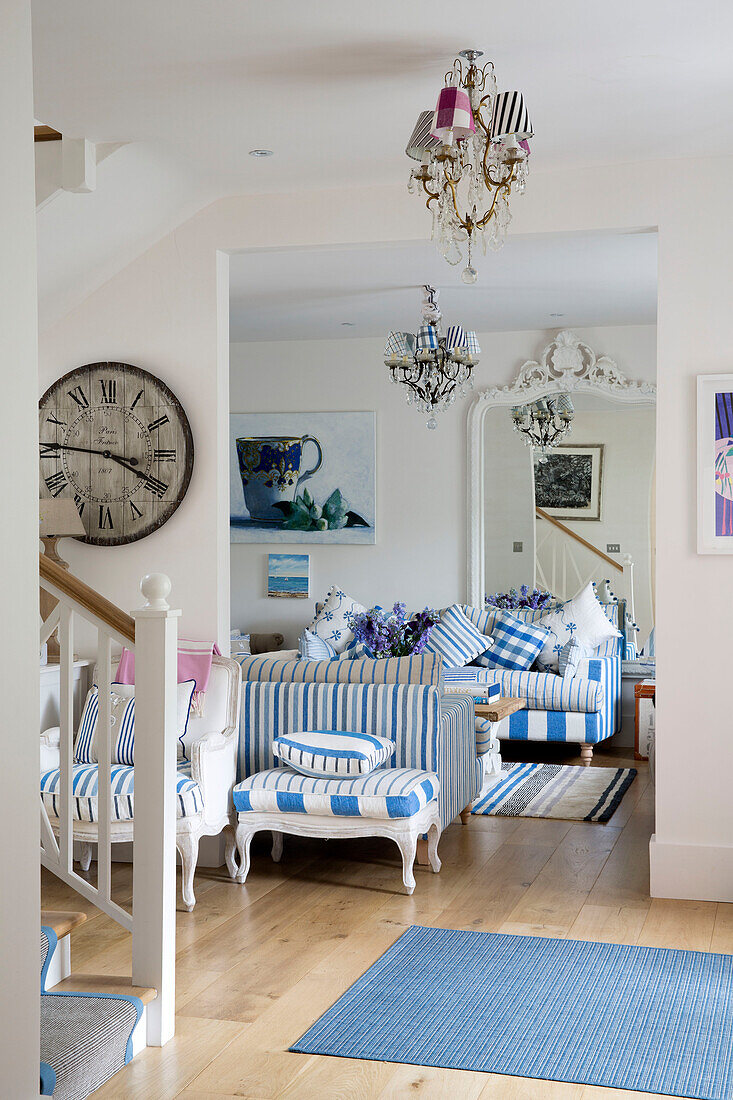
(194, 663)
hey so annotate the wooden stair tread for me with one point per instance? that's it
(62, 922)
(104, 983)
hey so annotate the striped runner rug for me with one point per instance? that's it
(642, 1018)
(556, 790)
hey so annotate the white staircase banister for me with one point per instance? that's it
(154, 845)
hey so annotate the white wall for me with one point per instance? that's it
(162, 311)
(420, 553)
(19, 685)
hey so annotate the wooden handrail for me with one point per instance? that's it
(45, 133)
(104, 609)
(579, 538)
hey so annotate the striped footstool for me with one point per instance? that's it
(398, 803)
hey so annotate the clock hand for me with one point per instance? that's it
(91, 451)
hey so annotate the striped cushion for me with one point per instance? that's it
(515, 644)
(545, 690)
(456, 638)
(553, 725)
(85, 788)
(570, 656)
(332, 753)
(423, 668)
(122, 707)
(313, 648)
(386, 793)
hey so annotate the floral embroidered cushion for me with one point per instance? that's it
(331, 623)
(583, 618)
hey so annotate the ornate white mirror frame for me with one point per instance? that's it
(566, 365)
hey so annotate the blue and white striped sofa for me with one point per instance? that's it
(401, 699)
(584, 710)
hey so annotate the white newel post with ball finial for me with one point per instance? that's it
(154, 845)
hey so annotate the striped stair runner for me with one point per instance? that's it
(86, 1036)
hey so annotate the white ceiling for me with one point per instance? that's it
(579, 280)
(334, 88)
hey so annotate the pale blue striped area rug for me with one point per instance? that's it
(555, 790)
(642, 1018)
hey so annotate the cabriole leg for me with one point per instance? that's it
(407, 844)
(277, 847)
(244, 839)
(85, 857)
(188, 846)
(433, 838)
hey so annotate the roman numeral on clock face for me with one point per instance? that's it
(136, 513)
(79, 504)
(53, 420)
(109, 391)
(155, 486)
(80, 397)
(158, 423)
(56, 483)
(105, 518)
(132, 406)
(50, 450)
(164, 456)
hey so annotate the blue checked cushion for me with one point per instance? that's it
(85, 789)
(332, 621)
(456, 639)
(385, 793)
(313, 648)
(122, 711)
(332, 753)
(515, 644)
(570, 656)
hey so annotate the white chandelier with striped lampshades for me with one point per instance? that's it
(473, 150)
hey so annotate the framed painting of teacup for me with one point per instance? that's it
(302, 477)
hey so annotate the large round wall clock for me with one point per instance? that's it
(116, 440)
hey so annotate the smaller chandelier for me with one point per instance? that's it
(435, 368)
(544, 422)
(472, 150)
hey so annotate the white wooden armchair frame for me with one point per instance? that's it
(213, 757)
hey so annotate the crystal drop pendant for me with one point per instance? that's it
(469, 275)
(432, 424)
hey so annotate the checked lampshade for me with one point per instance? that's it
(427, 338)
(399, 343)
(453, 117)
(472, 345)
(510, 118)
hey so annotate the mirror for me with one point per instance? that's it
(561, 468)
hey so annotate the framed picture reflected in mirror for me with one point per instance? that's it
(568, 481)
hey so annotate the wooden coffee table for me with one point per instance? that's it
(496, 709)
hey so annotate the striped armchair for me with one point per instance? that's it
(401, 699)
(583, 710)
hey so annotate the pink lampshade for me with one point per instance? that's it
(453, 117)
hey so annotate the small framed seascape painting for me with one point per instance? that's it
(288, 576)
(715, 464)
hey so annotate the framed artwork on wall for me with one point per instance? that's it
(715, 464)
(568, 481)
(288, 576)
(302, 477)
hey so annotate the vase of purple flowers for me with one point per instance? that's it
(392, 633)
(537, 599)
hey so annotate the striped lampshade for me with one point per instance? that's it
(427, 338)
(421, 141)
(510, 118)
(455, 337)
(453, 116)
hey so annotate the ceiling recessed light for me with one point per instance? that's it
(261, 153)
(347, 324)
(557, 315)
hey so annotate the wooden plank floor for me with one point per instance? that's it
(257, 964)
